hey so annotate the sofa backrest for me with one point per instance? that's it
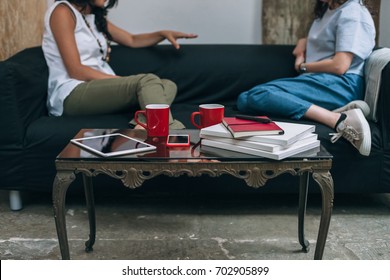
(207, 73)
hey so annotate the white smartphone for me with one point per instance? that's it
(178, 140)
(115, 144)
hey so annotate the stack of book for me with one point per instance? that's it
(274, 140)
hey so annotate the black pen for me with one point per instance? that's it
(253, 118)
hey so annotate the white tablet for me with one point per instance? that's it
(115, 144)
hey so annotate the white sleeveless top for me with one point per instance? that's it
(60, 83)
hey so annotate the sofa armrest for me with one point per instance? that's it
(11, 125)
(23, 88)
(383, 112)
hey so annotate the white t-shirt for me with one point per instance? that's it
(60, 83)
(349, 28)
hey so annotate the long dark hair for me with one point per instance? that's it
(321, 7)
(100, 13)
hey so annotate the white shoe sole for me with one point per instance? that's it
(365, 148)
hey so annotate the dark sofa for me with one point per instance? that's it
(30, 139)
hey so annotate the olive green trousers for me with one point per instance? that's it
(122, 94)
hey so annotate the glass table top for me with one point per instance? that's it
(163, 153)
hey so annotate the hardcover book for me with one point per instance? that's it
(259, 145)
(292, 133)
(243, 128)
(278, 155)
(212, 151)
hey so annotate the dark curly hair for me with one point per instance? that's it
(100, 13)
(321, 7)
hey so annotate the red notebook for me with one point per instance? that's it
(245, 128)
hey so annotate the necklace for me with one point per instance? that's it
(105, 57)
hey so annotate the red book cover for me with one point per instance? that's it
(245, 128)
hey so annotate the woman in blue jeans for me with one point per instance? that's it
(331, 85)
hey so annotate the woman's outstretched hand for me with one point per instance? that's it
(173, 36)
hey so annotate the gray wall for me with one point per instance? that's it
(216, 21)
(384, 35)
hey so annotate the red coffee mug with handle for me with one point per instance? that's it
(209, 114)
(157, 119)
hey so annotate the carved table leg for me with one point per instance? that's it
(303, 189)
(89, 197)
(61, 183)
(325, 181)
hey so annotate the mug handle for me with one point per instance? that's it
(141, 112)
(193, 115)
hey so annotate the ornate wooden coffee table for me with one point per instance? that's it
(133, 170)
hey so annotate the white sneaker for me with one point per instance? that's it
(356, 104)
(356, 130)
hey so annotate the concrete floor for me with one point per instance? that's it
(169, 226)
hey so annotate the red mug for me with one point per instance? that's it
(209, 114)
(157, 119)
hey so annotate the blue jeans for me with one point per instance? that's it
(292, 97)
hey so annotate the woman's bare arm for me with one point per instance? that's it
(62, 24)
(337, 65)
(125, 38)
(300, 52)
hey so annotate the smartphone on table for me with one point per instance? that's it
(178, 140)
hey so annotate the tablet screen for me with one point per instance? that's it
(112, 144)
